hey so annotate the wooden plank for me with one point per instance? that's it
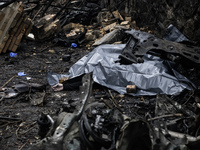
(3, 23)
(111, 26)
(7, 19)
(14, 25)
(14, 48)
(12, 32)
(15, 33)
(117, 15)
(19, 38)
(21, 27)
(16, 20)
(4, 42)
(12, 43)
(2, 15)
(7, 10)
(21, 8)
(13, 15)
(7, 44)
(18, 24)
(4, 26)
(28, 29)
(1, 32)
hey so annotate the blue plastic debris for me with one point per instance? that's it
(13, 54)
(21, 74)
(73, 45)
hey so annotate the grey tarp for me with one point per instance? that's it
(151, 77)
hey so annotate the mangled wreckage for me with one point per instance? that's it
(137, 95)
(107, 120)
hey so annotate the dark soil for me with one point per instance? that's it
(34, 59)
(18, 116)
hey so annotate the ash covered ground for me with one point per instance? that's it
(34, 60)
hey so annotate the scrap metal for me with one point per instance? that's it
(141, 43)
(68, 119)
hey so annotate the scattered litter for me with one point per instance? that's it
(21, 74)
(37, 98)
(22, 87)
(137, 90)
(51, 51)
(131, 89)
(31, 36)
(13, 54)
(66, 57)
(73, 45)
(44, 124)
(8, 93)
(28, 78)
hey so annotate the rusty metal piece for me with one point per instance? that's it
(68, 119)
(131, 89)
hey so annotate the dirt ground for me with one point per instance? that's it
(18, 126)
(34, 59)
(18, 115)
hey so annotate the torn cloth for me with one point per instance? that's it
(151, 77)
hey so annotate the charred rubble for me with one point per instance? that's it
(127, 74)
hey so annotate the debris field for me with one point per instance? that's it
(99, 74)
